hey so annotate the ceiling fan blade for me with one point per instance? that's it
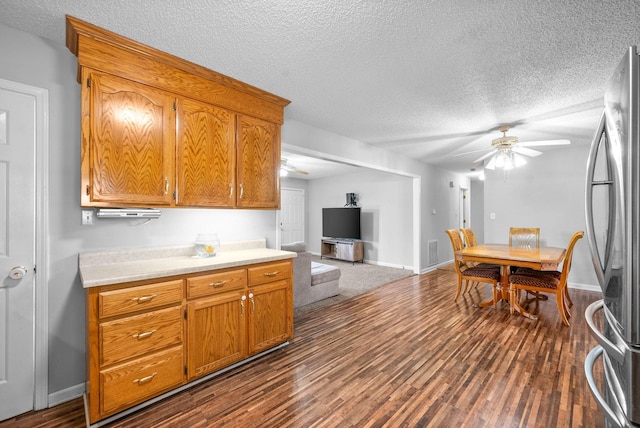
(544, 143)
(293, 169)
(473, 151)
(486, 155)
(525, 151)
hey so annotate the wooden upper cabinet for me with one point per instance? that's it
(155, 125)
(130, 144)
(205, 155)
(258, 149)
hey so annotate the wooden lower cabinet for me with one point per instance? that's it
(217, 332)
(147, 338)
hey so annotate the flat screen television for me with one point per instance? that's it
(341, 223)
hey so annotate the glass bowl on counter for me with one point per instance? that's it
(206, 245)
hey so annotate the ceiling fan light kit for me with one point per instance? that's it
(506, 159)
(507, 152)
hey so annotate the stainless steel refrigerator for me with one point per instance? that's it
(613, 225)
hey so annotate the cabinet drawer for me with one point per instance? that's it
(215, 283)
(140, 334)
(142, 297)
(269, 273)
(128, 384)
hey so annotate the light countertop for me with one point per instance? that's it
(117, 266)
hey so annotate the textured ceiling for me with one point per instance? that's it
(427, 78)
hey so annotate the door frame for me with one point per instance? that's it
(465, 210)
(41, 294)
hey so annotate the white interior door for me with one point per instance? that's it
(291, 215)
(17, 251)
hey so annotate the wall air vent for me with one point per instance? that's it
(432, 250)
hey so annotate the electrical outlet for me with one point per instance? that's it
(492, 216)
(87, 217)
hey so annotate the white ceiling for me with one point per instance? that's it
(426, 78)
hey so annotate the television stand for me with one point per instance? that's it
(351, 250)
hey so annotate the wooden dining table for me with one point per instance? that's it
(538, 258)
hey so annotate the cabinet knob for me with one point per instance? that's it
(253, 303)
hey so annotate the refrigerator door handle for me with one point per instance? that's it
(605, 343)
(589, 364)
(590, 227)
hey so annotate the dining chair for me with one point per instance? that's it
(469, 237)
(551, 282)
(525, 237)
(489, 275)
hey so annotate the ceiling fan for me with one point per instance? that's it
(284, 165)
(506, 150)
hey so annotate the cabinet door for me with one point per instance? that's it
(132, 142)
(217, 332)
(206, 155)
(270, 315)
(258, 149)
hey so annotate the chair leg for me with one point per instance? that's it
(567, 311)
(512, 299)
(561, 308)
(459, 289)
(495, 297)
(566, 294)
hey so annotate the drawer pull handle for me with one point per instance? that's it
(144, 298)
(218, 284)
(144, 335)
(145, 379)
(272, 273)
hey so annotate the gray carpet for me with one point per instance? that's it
(355, 279)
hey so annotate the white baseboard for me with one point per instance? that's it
(66, 394)
(586, 287)
(391, 265)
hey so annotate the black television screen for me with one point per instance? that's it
(341, 223)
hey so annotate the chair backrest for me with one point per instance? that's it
(524, 237)
(566, 265)
(456, 244)
(469, 237)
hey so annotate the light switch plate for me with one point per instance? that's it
(87, 217)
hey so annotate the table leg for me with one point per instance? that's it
(503, 288)
(518, 307)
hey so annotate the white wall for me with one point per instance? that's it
(549, 193)
(477, 209)
(386, 206)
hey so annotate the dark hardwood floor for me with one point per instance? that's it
(404, 355)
